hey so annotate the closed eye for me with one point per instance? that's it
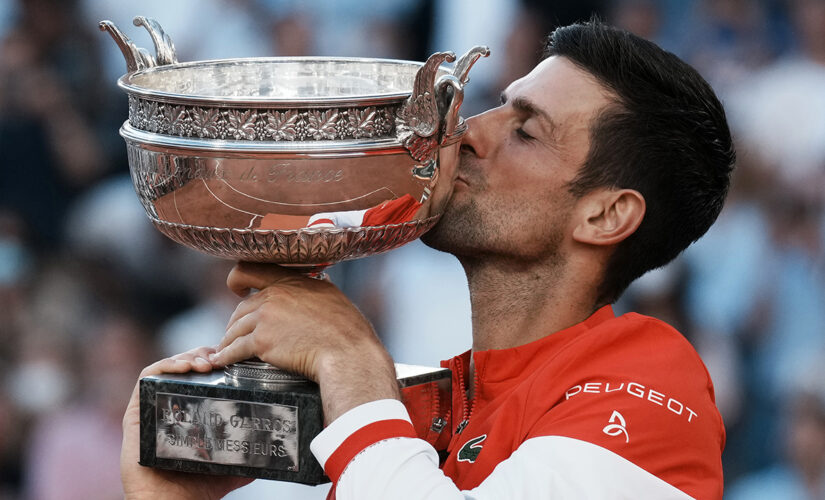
(523, 135)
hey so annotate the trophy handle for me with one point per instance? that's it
(138, 58)
(164, 48)
(418, 119)
(450, 95)
(420, 111)
(430, 114)
(462, 67)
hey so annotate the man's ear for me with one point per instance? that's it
(608, 216)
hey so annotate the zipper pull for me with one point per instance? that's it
(461, 426)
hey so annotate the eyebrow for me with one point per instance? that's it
(528, 107)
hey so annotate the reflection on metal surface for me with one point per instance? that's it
(221, 431)
(278, 82)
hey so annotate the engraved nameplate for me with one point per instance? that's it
(227, 432)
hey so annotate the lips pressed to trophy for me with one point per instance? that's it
(302, 162)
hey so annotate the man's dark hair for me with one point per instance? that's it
(665, 136)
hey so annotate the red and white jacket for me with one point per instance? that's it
(613, 407)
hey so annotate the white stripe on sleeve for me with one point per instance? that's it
(548, 467)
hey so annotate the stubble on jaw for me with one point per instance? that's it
(458, 229)
(468, 228)
(461, 225)
(473, 232)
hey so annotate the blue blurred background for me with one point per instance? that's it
(90, 292)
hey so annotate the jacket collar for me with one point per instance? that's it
(496, 369)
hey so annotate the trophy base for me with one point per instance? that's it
(217, 424)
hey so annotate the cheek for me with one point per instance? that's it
(541, 209)
(525, 218)
(535, 174)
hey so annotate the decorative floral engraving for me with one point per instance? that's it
(343, 127)
(382, 124)
(252, 124)
(242, 124)
(205, 122)
(134, 111)
(152, 115)
(362, 121)
(302, 132)
(140, 116)
(322, 124)
(167, 111)
(260, 128)
(181, 122)
(163, 118)
(281, 125)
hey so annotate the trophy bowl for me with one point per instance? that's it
(302, 162)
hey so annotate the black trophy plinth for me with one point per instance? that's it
(221, 424)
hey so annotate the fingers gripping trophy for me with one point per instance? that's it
(301, 162)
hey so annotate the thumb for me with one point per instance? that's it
(247, 276)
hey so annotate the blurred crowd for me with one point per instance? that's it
(90, 292)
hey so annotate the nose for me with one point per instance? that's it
(480, 134)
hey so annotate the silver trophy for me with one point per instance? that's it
(302, 162)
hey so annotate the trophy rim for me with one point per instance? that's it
(431, 220)
(126, 83)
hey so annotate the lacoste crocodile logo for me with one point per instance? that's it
(469, 452)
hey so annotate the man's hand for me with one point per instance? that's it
(144, 482)
(307, 326)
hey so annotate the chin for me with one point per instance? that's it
(457, 231)
(432, 240)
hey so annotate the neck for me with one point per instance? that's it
(516, 303)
